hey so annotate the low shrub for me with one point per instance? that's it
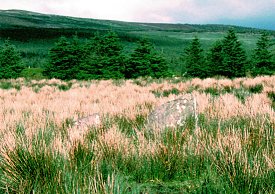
(33, 73)
(258, 88)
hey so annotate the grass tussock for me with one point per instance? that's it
(230, 150)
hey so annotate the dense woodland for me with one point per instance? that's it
(102, 57)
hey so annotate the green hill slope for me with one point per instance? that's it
(34, 34)
(14, 19)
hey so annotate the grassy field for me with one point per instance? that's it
(232, 149)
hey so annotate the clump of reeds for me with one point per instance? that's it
(231, 149)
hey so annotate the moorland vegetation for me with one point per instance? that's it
(102, 58)
(35, 35)
(230, 150)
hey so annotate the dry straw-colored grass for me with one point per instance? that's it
(49, 108)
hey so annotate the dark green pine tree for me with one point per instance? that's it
(262, 57)
(78, 54)
(10, 61)
(111, 57)
(139, 61)
(65, 59)
(159, 66)
(54, 69)
(105, 59)
(194, 59)
(234, 57)
(91, 67)
(215, 60)
(145, 61)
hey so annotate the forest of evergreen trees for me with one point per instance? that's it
(102, 57)
(227, 58)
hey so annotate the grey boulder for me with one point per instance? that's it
(173, 113)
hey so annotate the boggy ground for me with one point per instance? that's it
(232, 149)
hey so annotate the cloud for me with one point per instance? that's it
(180, 11)
(213, 10)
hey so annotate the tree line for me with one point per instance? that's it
(102, 57)
(228, 58)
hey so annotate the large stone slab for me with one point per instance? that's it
(173, 114)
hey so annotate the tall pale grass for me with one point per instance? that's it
(228, 131)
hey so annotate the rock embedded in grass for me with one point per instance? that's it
(82, 125)
(173, 114)
(93, 120)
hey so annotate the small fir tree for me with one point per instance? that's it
(262, 56)
(215, 60)
(10, 61)
(111, 56)
(159, 66)
(234, 57)
(65, 59)
(105, 59)
(91, 68)
(145, 61)
(57, 55)
(194, 59)
(139, 62)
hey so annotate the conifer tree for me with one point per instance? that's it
(159, 66)
(194, 59)
(111, 56)
(105, 59)
(139, 62)
(262, 56)
(215, 60)
(145, 61)
(91, 68)
(10, 61)
(234, 57)
(65, 59)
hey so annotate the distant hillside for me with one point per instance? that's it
(15, 20)
(35, 33)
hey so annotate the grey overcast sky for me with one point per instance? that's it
(251, 13)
